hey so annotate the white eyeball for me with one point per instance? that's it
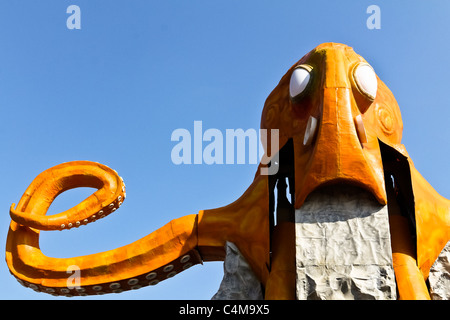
(366, 80)
(300, 79)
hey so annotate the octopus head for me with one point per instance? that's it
(335, 115)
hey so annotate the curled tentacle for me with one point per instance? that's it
(154, 258)
(49, 184)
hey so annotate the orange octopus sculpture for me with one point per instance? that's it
(338, 124)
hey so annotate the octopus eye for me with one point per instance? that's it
(366, 80)
(300, 79)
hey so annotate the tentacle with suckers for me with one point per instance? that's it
(49, 184)
(156, 257)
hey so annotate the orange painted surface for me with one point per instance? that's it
(410, 282)
(119, 266)
(345, 148)
(281, 284)
(433, 221)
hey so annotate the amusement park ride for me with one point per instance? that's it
(359, 221)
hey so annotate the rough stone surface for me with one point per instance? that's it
(439, 277)
(239, 282)
(343, 247)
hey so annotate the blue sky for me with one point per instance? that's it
(115, 90)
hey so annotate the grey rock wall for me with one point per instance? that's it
(343, 248)
(239, 282)
(439, 277)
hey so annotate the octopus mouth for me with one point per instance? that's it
(397, 184)
(342, 232)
